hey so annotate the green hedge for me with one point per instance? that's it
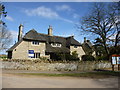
(68, 57)
(88, 58)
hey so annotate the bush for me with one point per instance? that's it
(43, 58)
(71, 57)
(101, 57)
(66, 56)
(88, 58)
(3, 56)
(74, 56)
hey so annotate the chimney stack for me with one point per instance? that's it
(20, 32)
(50, 31)
(85, 40)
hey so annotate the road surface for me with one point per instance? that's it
(29, 81)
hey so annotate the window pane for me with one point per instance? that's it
(32, 42)
(38, 43)
(75, 46)
(35, 42)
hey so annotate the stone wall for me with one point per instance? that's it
(54, 66)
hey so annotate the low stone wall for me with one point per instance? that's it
(92, 65)
(54, 66)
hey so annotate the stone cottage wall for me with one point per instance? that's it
(79, 51)
(21, 51)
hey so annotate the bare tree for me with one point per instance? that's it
(5, 35)
(115, 15)
(100, 22)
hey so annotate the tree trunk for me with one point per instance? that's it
(106, 49)
(117, 39)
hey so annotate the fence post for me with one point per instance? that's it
(112, 67)
(118, 67)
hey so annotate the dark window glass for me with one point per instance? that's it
(36, 55)
(35, 42)
(75, 46)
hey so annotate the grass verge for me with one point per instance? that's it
(98, 74)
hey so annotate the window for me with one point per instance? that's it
(32, 54)
(35, 42)
(36, 55)
(75, 46)
(55, 44)
(59, 45)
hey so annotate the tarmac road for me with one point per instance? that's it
(23, 81)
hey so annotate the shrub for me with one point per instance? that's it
(101, 57)
(74, 56)
(88, 58)
(66, 56)
(43, 58)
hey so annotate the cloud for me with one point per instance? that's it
(42, 11)
(66, 20)
(75, 15)
(14, 34)
(45, 12)
(64, 8)
(9, 18)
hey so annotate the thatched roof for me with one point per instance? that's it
(33, 35)
(72, 41)
(88, 47)
(64, 41)
(61, 49)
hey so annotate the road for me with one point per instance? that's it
(24, 81)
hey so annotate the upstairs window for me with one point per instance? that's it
(75, 46)
(58, 45)
(55, 44)
(35, 42)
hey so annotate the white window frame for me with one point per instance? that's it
(34, 43)
(56, 45)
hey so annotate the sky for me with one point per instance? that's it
(62, 16)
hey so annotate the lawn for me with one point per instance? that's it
(96, 74)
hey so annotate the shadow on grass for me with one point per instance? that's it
(107, 72)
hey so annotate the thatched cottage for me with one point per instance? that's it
(36, 45)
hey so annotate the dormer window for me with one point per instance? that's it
(75, 46)
(35, 42)
(58, 44)
(55, 44)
